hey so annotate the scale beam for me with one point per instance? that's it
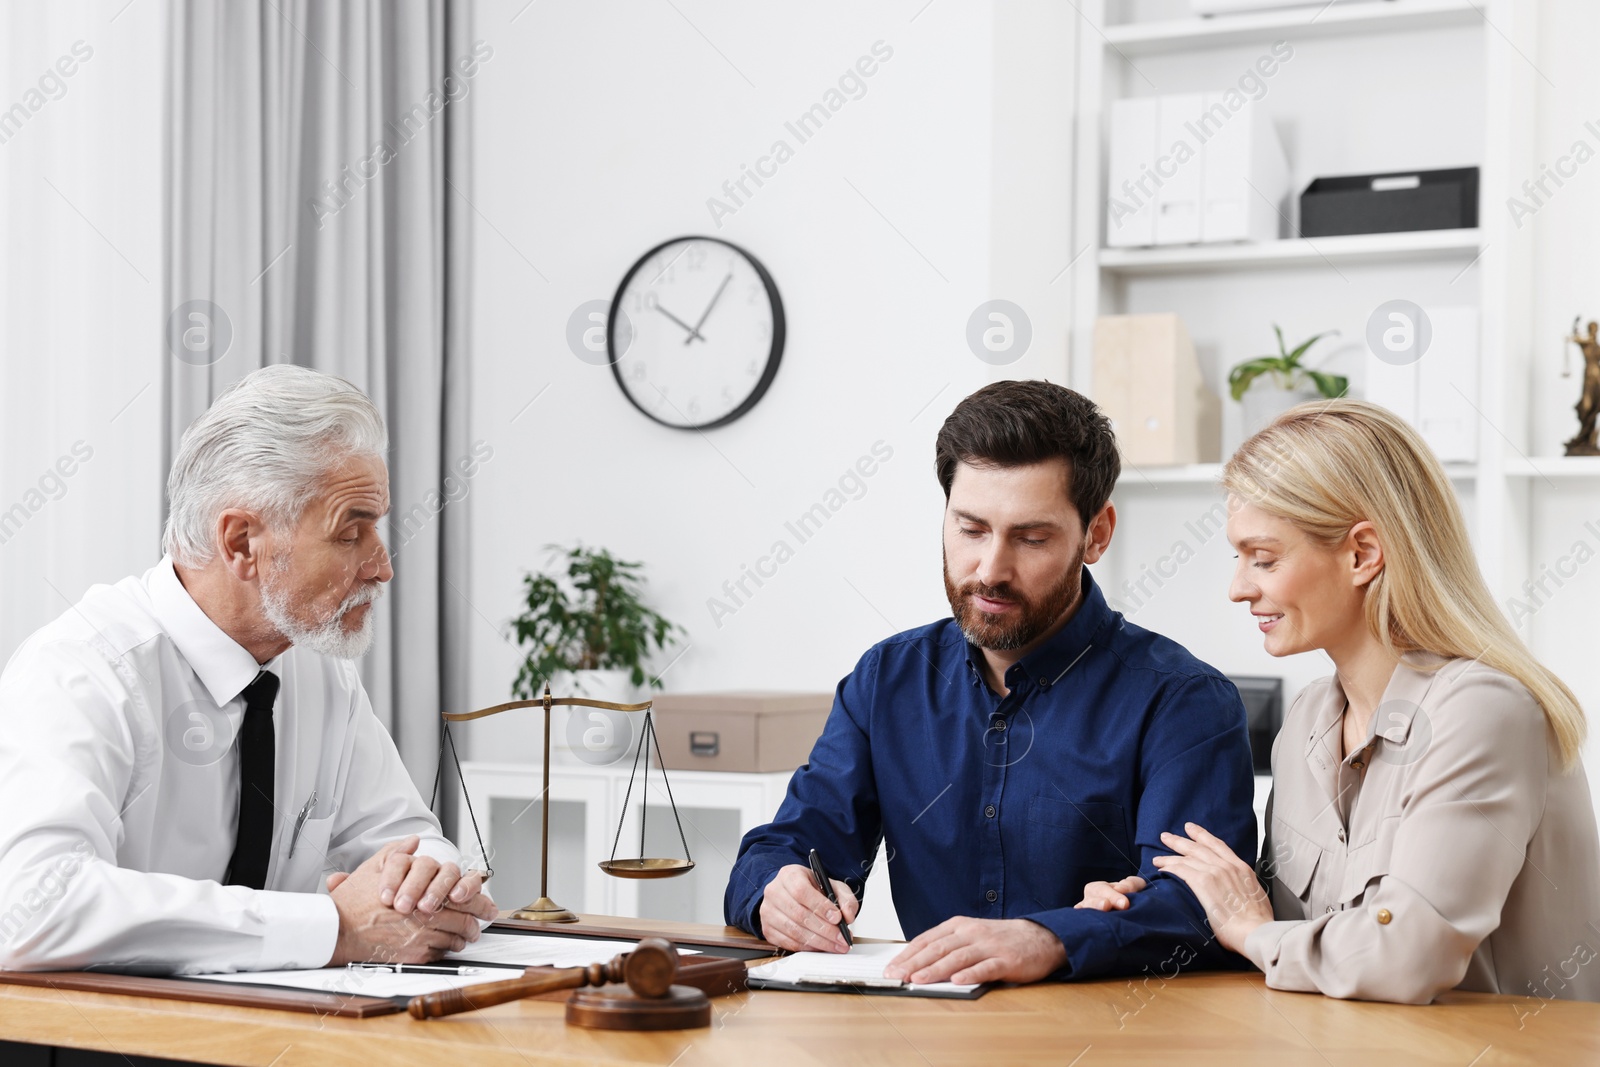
(544, 909)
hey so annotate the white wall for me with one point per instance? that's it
(80, 304)
(599, 137)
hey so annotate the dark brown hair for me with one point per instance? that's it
(1015, 424)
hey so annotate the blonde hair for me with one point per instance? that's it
(1327, 465)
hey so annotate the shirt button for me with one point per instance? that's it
(999, 724)
(991, 896)
(1328, 910)
(1341, 833)
(1384, 916)
(988, 812)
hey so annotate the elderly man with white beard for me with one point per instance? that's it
(191, 773)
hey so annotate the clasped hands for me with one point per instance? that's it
(796, 916)
(1226, 886)
(399, 907)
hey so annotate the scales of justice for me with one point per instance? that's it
(544, 909)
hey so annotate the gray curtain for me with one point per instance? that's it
(316, 216)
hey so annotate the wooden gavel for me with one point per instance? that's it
(648, 971)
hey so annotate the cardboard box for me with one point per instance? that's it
(746, 730)
(1147, 381)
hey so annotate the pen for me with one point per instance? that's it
(300, 820)
(416, 968)
(820, 873)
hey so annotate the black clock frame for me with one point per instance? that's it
(774, 353)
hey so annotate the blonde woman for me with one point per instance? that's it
(1430, 825)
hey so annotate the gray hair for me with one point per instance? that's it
(265, 444)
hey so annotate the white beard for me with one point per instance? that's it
(330, 637)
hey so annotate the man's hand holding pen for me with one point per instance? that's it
(795, 915)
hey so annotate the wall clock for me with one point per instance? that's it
(700, 333)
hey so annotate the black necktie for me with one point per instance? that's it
(253, 845)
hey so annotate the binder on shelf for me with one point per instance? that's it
(1246, 181)
(1193, 168)
(1179, 197)
(1147, 381)
(1131, 211)
(1438, 391)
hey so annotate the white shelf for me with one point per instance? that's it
(1201, 474)
(1553, 467)
(1209, 475)
(1354, 249)
(1364, 16)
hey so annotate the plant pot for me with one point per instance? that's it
(594, 736)
(518, 736)
(1265, 400)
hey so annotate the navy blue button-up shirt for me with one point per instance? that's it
(1005, 807)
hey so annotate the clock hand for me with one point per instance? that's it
(714, 298)
(694, 331)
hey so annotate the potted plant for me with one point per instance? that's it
(1267, 386)
(587, 622)
(586, 630)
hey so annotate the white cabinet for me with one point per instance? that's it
(587, 804)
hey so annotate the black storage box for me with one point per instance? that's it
(1263, 712)
(1390, 203)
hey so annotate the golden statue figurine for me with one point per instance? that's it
(1588, 405)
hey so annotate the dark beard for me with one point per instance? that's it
(1037, 615)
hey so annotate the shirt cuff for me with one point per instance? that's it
(440, 849)
(301, 930)
(1261, 947)
(1084, 933)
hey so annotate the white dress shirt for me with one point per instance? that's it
(119, 788)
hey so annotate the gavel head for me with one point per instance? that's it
(651, 967)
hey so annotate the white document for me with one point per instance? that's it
(536, 950)
(863, 964)
(361, 983)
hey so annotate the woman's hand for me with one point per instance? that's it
(1225, 885)
(1110, 896)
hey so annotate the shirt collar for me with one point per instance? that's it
(1048, 663)
(1393, 720)
(223, 665)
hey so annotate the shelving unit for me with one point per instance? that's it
(1553, 467)
(1355, 250)
(1208, 475)
(1371, 85)
(1175, 35)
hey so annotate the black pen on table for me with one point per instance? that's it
(824, 883)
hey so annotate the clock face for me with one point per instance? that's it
(700, 334)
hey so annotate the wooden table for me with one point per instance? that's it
(1223, 1019)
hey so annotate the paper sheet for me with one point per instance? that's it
(538, 950)
(862, 961)
(361, 983)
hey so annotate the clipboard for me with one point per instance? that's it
(858, 971)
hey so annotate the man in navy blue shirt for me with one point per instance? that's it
(1031, 744)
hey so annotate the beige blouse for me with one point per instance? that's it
(1448, 852)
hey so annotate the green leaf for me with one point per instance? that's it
(1294, 357)
(1331, 386)
(1244, 375)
